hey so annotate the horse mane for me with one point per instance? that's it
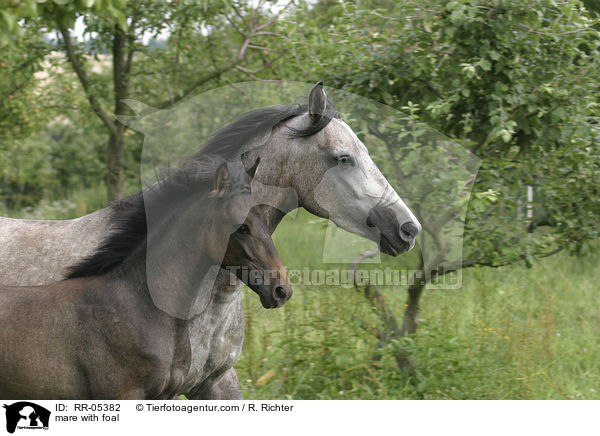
(229, 141)
(129, 229)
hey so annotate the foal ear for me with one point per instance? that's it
(222, 180)
(252, 170)
(317, 101)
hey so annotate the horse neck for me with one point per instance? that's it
(170, 266)
(271, 185)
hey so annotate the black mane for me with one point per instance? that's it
(129, 229)
(229, 141)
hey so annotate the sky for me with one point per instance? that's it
(79, 27)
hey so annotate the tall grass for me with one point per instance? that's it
(508, 333)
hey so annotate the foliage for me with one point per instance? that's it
(512, 82)
(14, 12)
(115, 60)
(17, 97)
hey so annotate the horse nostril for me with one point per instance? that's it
(280, 293)
(409, 231)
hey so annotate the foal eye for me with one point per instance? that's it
(345, 161)
(243, 229)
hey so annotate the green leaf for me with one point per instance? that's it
(485, 65)
(529, 260)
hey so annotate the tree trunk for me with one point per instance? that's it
(115, 164)
(115, 161)
(411, 313)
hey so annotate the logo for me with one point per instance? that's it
(26, 415)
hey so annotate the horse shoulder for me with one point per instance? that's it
(143, 353)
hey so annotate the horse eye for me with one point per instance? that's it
(345, 161)
(243, 229)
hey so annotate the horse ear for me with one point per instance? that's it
(252, 170)
(317, 101)
(222, 180)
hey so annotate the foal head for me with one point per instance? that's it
(250, 253)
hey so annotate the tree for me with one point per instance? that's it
(204, 43)
(15, 13)
(20, 113)
(17, 69)
(514, 83)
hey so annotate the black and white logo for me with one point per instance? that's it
(26, 415)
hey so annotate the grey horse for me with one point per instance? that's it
(99, 334)
(307, 148)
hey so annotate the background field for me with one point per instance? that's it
(509, 333)
(513, 332)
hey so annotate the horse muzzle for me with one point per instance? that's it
(394, 237)
(275, 296)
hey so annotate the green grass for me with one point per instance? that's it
(508, 333)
